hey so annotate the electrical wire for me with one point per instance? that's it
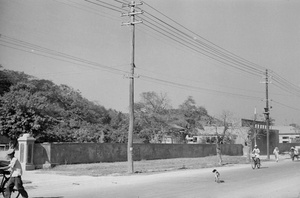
(201, 52)
(88, 9)
(205, 47)
(110, 6)
(32, 48)
(71, 59)
(206, 40)
(237, 66)
(200, 88)
(213, 47)
(293, 108)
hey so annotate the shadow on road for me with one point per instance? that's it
(263, 167)
(49, 197)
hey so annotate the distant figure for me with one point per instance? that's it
(276, 153)
(217, 175)
(296, 151)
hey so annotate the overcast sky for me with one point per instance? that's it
(215, 51)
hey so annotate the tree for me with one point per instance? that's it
(192, 114)
(5, 83)
(151, 121)
(119, 123)
(225, 121)
(189, 116)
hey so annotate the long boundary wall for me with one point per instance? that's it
(76, 153)
(285, 147)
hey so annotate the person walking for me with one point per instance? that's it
(276, 153)
(15, 179)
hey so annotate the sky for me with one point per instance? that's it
(216, 51)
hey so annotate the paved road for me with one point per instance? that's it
(274, 180)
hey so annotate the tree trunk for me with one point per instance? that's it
(219, 154)
(249, 144)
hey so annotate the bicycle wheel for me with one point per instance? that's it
(3, 185)
(253, 164)
(14, 193)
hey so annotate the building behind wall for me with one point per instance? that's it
(207, 135)
(288, 134)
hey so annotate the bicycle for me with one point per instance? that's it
(5, 177)
(255, 162)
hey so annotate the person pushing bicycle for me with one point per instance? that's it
(15, 169)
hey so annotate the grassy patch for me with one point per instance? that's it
(144, 166)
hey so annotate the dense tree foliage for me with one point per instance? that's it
(53, 113)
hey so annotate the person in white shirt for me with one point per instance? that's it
(276, 153)
(256, 151)
(15, 179)
(296, 151)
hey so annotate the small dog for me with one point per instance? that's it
(217, 175)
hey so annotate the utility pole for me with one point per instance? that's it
(267, 113)
(132, 22)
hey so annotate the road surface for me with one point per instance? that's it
(274, 180)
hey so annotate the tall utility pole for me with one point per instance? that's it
(267, 113)
(132, 22)
(254, 129)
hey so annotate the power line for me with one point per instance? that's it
(290, 107)
(88, 9)
(232, 61)
(36, 49)
(199, 88)
(205, 47)
(110, 6)
(66, 58)
(234, 65)
(196, 81)
(219, 51)
(206, 40)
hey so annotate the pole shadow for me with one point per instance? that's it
(49, 197)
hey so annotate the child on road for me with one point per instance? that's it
(15, 175)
